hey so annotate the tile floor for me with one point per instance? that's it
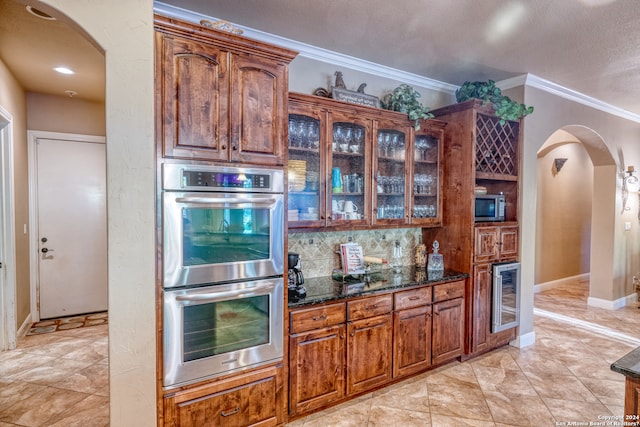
(58, 379)
(61, 379)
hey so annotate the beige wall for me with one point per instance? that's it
(617, 261)
(563, 237)
(12, 99)
(63, 114)
(124, 29)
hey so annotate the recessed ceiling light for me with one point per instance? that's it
(64, 70)
(40, 14)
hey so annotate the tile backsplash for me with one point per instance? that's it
(318, 250)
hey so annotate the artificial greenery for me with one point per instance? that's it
(505, 108)
(404, 99)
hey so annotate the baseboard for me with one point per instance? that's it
(565, 280)
(611, 305)
(524, 340)
(26, 325)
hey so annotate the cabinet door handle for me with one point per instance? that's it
(323, 317)
(371, 307)
(413, 298)
(234, 147)
(224, 147)
(231, 412)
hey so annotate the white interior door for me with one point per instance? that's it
(72, 227)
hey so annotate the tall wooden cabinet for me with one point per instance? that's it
(478, 151)
(221, 97)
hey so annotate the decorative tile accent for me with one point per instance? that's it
(318, 250)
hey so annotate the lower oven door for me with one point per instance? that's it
(219, 329)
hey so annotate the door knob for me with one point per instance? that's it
(45, 250)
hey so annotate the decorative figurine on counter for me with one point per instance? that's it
(435, 265)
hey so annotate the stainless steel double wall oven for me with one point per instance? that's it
(223, 266)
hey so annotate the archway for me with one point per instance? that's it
(577, 177)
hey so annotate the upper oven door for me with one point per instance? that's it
(221, 237)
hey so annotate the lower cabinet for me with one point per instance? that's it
(412, 340)
(369, 349)
(480, 307)
(316, 368)
(448, 335)
(251, 399)
(387, 336)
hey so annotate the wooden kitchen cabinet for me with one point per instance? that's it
(412, 340)
(252, 399)
(479, 154)
(316, 368)
(377, 161)
(495, 243)
(369, 342)
(480, 305)
(220, 97)
(316, 357)
(369, 350)
(448, 332)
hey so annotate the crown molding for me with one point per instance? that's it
(315, 53)
(324, 55)
(531, 80)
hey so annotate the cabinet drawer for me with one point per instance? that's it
(412, 298)
(369, 307)
(448, 291)
(316, 317)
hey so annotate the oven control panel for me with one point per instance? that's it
(180, 177)
(226, 180)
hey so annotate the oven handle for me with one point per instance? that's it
(266, 201)
(217, 296)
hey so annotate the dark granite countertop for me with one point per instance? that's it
(325, 289)
(629, 364)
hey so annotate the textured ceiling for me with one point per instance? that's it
(590, 46)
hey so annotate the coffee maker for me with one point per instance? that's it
(296, 279)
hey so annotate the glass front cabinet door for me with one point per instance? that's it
(390, 146)
(426, 174)
(306, 206)
(348, 173)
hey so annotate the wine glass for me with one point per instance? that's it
(313, 135)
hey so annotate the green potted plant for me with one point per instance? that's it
(404, 99)
(505, 108)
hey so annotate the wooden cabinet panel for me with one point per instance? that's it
(448, 333)
(448, 291)
(632, 400)
(508, 242)
(317, 317)
(369, 353)
(253, 399)
(412, 298)
(369, 307)
(221, 97)
(193, 98)
(258, 110)
(481, 307)
(316, 368)
(486, 246)
(412, 340)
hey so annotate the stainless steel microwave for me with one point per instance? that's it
(490, 207)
